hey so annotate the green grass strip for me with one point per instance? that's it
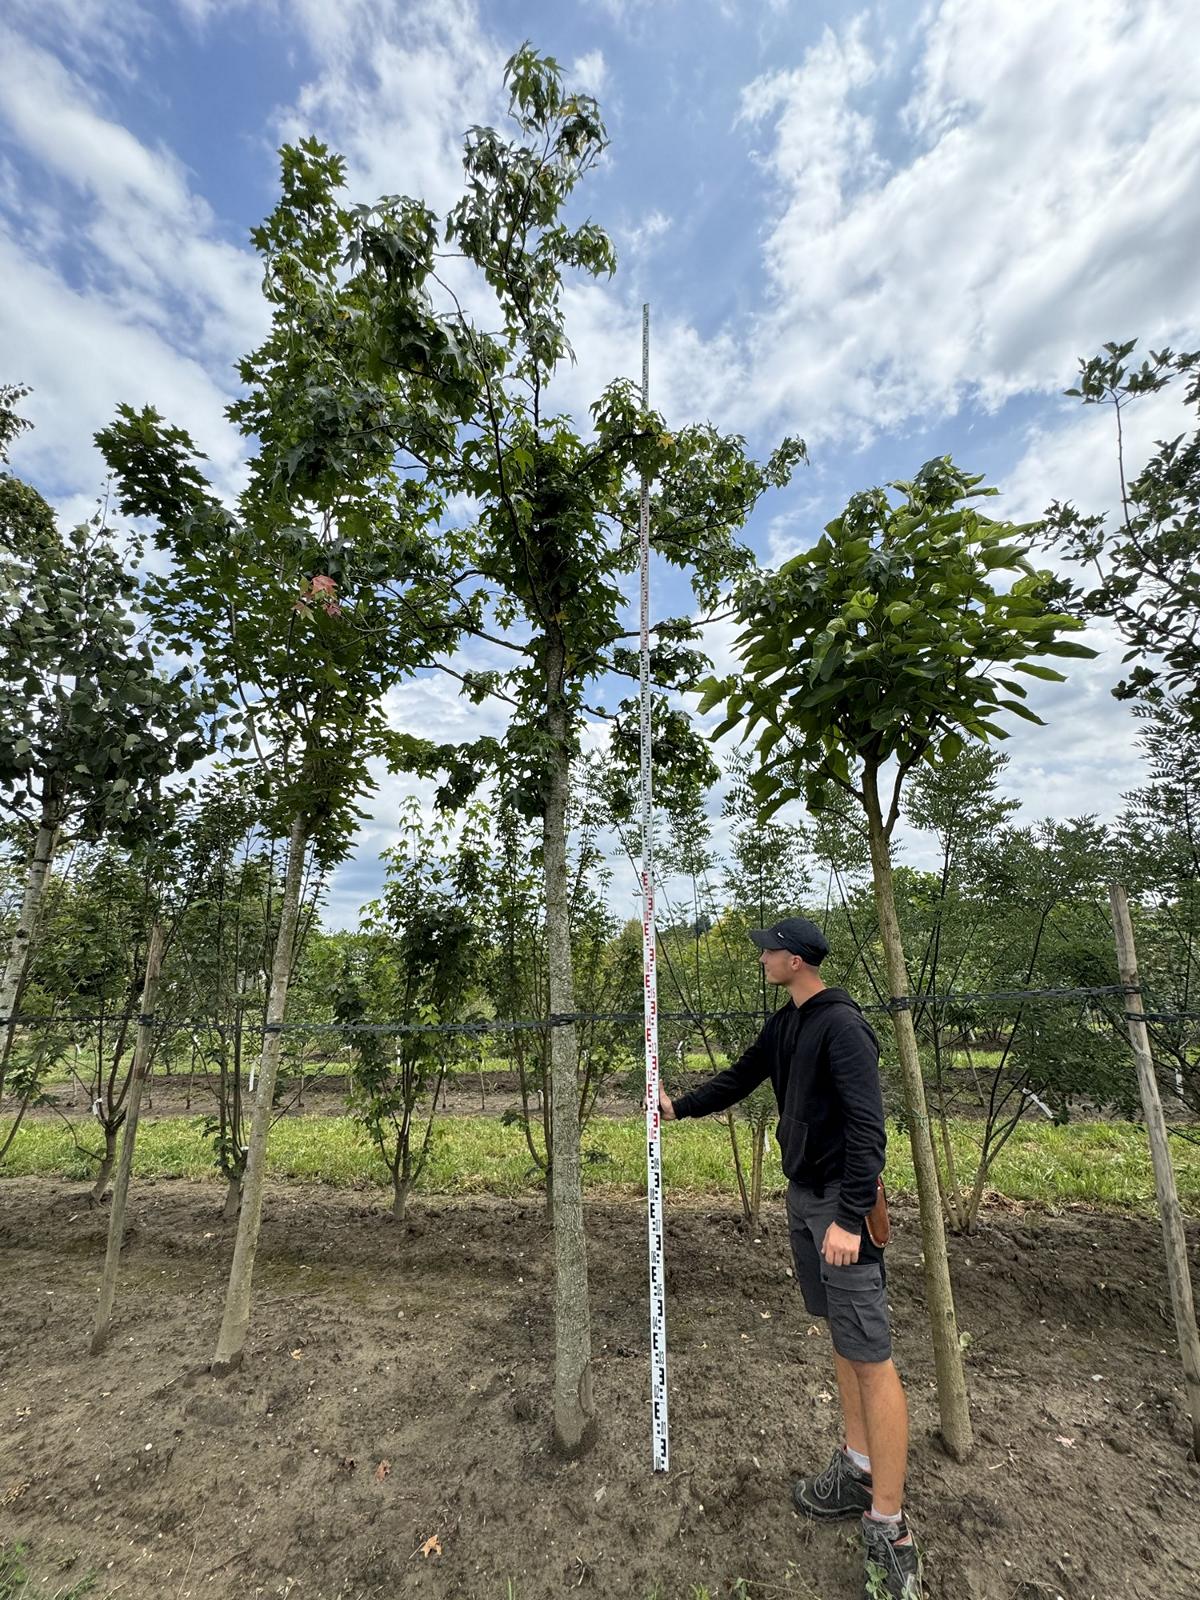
(1102, 1163)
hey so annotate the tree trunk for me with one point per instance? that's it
(737, 1166)
(236, 1320)
(947, 1354)
(141, 1063)
(573, 1406)
(233, 1200)
(977, 1189)
(954, 1197)
(400, 1188)
(21, 943)
(758, 1143)
(106, 1163)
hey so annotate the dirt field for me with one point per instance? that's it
(425, 1346)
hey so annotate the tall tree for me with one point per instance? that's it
(93, 722)
(884, 645)
(556, 536)
(554, 533)
(326, 584)
(1143, 568)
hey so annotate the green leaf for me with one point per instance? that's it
(1067, 647)
(1033, 670)
(821, 696)
(711, 691)
(1022, 711)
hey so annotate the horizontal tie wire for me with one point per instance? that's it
(564, 1019)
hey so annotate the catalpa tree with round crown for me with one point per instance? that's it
(886, 644)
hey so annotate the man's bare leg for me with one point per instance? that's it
(880, 1410)
(852, 1410)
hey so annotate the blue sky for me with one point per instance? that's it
(891, 229)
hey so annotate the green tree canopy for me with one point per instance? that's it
(1143, 569)
(889, 640)
(886, 644)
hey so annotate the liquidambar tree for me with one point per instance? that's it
(556, 536)
(882, 646)
(550, 526)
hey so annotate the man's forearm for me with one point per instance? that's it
(725, 1089)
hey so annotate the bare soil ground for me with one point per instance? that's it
(397, 1378)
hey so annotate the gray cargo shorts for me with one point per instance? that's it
(853, 1299)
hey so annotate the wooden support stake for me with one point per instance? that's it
(141, 1067)
(1174, 1241)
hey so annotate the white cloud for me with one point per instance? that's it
(691, 378)
(121, 283)
(399, 85)
(51, 115)
(120, 286)
(589, 72)
(638, 240)
(1084, 759)
(822, 145)
(793, 530)
(93, 35)
(630, 15)
(1047, 201)
(81, 356)
(621, 11)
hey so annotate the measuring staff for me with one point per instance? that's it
(822, 1058)
(659, 1429)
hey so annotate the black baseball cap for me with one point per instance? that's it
(797, 935)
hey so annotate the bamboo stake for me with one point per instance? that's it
(1174, 1240)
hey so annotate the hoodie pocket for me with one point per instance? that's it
(792, 1137)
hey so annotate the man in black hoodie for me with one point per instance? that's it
(822, 1058)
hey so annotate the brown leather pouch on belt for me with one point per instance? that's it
(879, 1224)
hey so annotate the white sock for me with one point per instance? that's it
(885, 1516)
(862, 1462)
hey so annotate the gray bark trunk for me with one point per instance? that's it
(573, 1405)
(947, 1354)
(233, 1199)
(116, 1220)
(236, 1320)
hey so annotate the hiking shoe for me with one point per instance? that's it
(893, 1562)
(842, 1490)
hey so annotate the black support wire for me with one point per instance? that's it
(491, 1025)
